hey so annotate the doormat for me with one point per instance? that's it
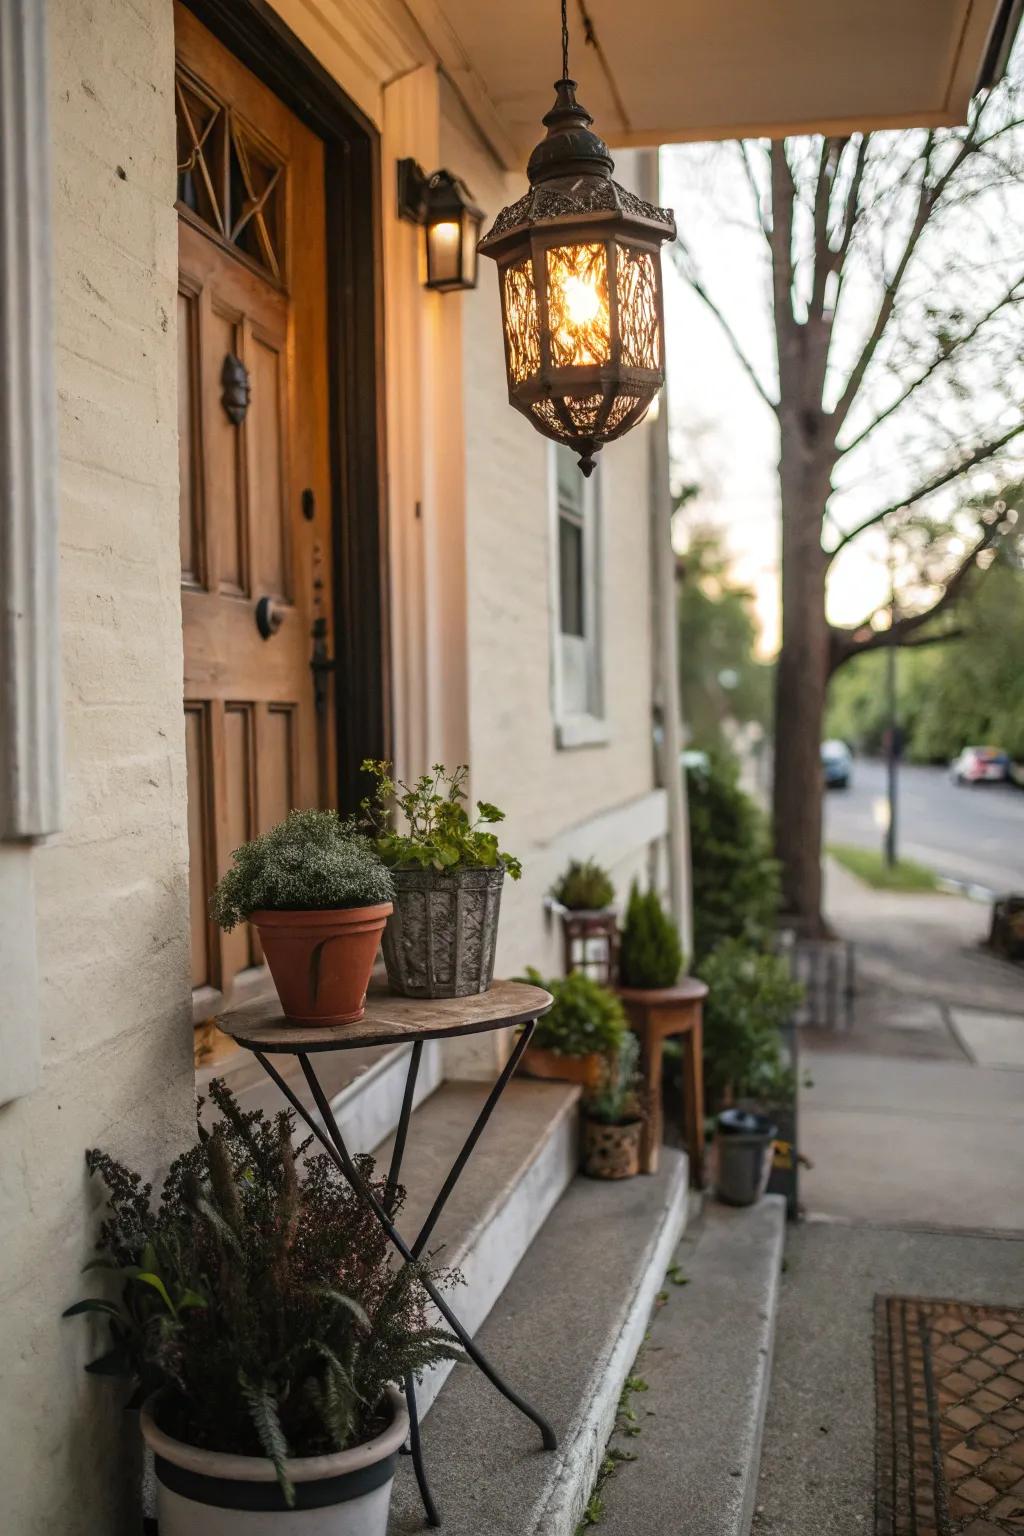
(949, 1416)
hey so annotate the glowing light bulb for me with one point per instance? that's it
(581, 301)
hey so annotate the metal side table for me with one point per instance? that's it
(388, 1021)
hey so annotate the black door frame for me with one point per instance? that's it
(260, 40)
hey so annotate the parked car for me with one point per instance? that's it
(837, 764)
(981, 765)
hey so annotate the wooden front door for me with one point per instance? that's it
(255, 478)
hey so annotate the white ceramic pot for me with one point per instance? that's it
(210, 1493)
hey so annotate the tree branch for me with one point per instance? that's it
(783, 196)
(888, 301)
(755, 191)
(1011, 296)
(986, 451)
(687, 271)
(844, 643)
(824, 258)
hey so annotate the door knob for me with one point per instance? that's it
(269, 616)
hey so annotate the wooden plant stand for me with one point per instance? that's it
(656, 1016)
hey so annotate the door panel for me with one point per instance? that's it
(253, 431)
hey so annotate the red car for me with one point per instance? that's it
(980, 765)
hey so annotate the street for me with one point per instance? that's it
(973, 834)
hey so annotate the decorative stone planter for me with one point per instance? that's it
(611, 1151)
(211, 1493)
(321, 961)
(440, 939)
(588, 1070)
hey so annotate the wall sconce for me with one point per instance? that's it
(452, 222)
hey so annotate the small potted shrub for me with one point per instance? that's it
(263, 1324)
(751, 998)
(612, 1121)
(590, 932)
(448, 870)
(650, 953)
(584, 886)
(583, 1028)
(319, 896)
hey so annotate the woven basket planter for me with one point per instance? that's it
(441, 937)
(611, 1151)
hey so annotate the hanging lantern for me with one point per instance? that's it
(579, 271)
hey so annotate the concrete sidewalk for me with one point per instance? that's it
(818, 1452)
(907, 1120)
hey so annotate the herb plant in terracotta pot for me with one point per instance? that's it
(318, 894)
(584, 1027)
(260, 1321)
(612, 1119)
(448, 871)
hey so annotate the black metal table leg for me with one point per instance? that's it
(331, 1139)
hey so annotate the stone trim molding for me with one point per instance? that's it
(30, 734)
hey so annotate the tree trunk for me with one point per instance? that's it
(801, 681)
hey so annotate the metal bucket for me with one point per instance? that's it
(440, 939)
(743, 1156)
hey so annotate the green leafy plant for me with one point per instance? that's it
(651, 954)
(311, 861)
(584, 887)
(616, 1102)
(750, 996)
(258, 1295)
(584, 1018)
(439, 833)
(735, 878)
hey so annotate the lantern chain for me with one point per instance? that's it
(565, 40)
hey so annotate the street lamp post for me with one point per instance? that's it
(892, 735)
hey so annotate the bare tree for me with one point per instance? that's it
(892, 270)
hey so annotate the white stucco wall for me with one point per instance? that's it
(556, 799)
(111, 888)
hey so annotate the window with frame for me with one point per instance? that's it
(576, 562)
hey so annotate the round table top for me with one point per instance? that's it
(388, 1020)
(687, 990)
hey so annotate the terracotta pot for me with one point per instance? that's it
(321, 961)
(212, 1493)
(587, 1070)
(611, 1151)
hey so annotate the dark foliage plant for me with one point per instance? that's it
(438, 831)
(584, 887)
(584, 1018)
(751, 995)
(650, 954)
(311, 861)
(259, 1294)
(735, 878)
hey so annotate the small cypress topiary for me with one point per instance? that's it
(650, 955)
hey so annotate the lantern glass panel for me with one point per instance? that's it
(578, 312)
(470, 236)
(444, 253)
(636, 285)
(522, 329)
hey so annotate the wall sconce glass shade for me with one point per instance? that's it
(581, 295)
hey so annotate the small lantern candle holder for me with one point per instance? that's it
(590, 943)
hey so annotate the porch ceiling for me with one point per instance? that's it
(687, 69)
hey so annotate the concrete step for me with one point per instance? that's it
(519, 1169)
(707, 1365)
(365, 1087)
(564, 1332)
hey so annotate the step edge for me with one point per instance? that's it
(765, 1362)
(560, 1506)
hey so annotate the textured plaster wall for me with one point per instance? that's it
(545, 790)
(111, 889)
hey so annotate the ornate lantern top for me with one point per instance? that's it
(580, 288)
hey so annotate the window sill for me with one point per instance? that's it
(581, 731)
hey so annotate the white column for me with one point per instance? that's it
(30, 751)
